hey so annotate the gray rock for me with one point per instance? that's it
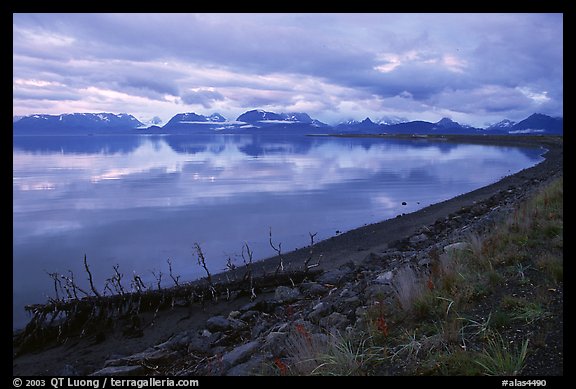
(249, 315)
(175, 341)
(202, 344)
(313, 289)
(319, 311)
(255, 366)
(150, 355)
(275, 342)
(120, 371)
(287, 294)
(384, 278)
(418, 238)
(260, 306)
(259, 328)
(377, 291)
(336, 320)
(240, 354)
(218, 323)
(349, 304)
(336, 276)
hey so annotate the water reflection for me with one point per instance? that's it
(138, 200)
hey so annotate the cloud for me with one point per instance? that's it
(203, 97)
(237, 61)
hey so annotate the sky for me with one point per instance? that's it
(476, 69)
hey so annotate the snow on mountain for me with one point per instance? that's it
(265, 117)
(389, 120)
(76, 123)
(501, 125)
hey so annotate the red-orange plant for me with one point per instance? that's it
(281, 366)
(381, 325)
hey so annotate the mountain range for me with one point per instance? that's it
(260, 121)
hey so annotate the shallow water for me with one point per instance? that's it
(137, 200)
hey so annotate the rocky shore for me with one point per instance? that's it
(247, 335)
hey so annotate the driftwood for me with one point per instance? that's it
(58, 320)
(69, 315)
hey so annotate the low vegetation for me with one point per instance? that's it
(481, 309)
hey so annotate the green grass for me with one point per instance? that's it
(501, 358)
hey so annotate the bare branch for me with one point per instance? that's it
(202, 262)
(117, 280)
(57, 283)
(311, 253)
(137, 283)
(175, 279)
(279, 252)
(157, 277)
(249, 268)
(90, 277)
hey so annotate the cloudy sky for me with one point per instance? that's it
(473, 68)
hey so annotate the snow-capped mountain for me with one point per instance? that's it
(76, 123)
(389, 120)
(260, 121)
(538, 123)
(194, 118)
(501, 125)
(261, 117)
(447, 123)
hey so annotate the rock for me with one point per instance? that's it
(349, 304)
(175, 341)
(252, 367)
(202, 344)
(336, 321)
(313, 289)
(377, 291)
(458, 246)
(404, 203)
(240, 354)
(233, 314)
(259, 328)
(260, 306)
(418, 238)
(249, 315)
(384, 278)
(275, 343)
(319, 311)
(336, 276)
(120, 371)
(150, 355)
(287, 294)
(218, 323)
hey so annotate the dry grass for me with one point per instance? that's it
(408, 287)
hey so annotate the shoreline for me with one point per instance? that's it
(353, 248)
(356, 243)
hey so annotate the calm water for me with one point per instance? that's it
(138, 200)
